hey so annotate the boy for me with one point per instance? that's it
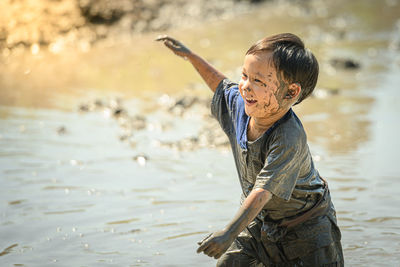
(286, 217)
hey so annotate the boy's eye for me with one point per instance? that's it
(244, 75)
(260, 82)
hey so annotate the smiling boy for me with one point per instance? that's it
(286, 216)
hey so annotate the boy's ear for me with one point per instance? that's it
(294, 91)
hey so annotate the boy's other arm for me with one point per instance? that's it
(210, 75)
(216, 244)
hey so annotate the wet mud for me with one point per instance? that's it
(108, 150)
(54, 25)
(209, 135)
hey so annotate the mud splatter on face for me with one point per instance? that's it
(282, 89)
(260, 82)
(272, 96)
(269, 77)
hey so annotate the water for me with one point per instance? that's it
(73, 194)
(83, 193)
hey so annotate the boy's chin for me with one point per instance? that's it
(247, 111)
(251, 111)
(256, 114)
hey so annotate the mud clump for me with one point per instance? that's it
(106, 12)
(209, 134)
(29, 22)
(345, 63)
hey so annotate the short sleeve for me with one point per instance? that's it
(224, 101)
(282, 166)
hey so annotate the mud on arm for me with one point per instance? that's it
(210, 75)
(217, 243)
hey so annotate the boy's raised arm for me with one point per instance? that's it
(210, 75)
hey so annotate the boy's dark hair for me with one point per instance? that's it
(296, 63)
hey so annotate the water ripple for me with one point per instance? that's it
(124, 221)
(8, 250)
(63, 212)
(382, 219)
(183, 235)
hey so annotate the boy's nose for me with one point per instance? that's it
(246, 86)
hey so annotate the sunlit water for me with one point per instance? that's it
(73, 194)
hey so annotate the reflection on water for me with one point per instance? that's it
(71, 187)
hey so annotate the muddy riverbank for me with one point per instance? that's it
(55, 25)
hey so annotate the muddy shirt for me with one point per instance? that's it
(278, 161)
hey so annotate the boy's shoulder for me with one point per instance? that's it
(227, 84)
(289, 130)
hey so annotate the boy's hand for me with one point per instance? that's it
(215, 244)
(177, 47)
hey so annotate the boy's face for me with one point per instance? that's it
(262, 88)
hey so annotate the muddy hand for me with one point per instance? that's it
(177, 47)
(215, 245)
(204, 239)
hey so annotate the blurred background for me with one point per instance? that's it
(108, 153)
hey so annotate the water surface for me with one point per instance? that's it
(73, 194)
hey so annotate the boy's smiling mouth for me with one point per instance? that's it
(250, 101)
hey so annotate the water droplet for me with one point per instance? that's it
(317, 158)
(56, 47)
(107, 113)
(35, 49)
(141, 159)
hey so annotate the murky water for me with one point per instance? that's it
(73, 194)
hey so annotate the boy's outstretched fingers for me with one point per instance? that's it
(204, 244)
(177, 47)
(200, 242)
(203, 247)
(161, 37)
